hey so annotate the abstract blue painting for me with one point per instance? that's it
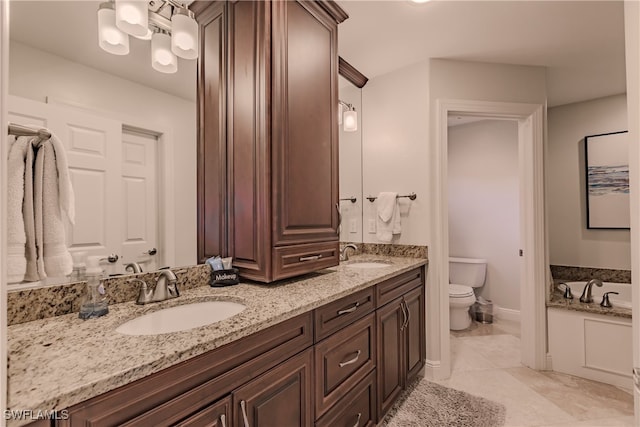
(607, 167)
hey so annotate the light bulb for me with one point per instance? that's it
(132, 17)
(184, 34)
(350, 121)
(110, 38)
(162, 59)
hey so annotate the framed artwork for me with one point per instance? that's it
(607, 170)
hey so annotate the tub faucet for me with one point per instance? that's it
(586, 292)
(344, 255)
(133, 267)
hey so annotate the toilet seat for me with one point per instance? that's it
(460, 291)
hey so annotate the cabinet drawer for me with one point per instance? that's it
(216, 415)
(342, 360)
(338, 314)
(356, 408)
(289, 261)
(397, 286)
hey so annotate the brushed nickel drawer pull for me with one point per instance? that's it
(243, 405)
(352, 361)
(310, 258)
(349, 310)
(357, 421)
(405, 316)
(223, 420)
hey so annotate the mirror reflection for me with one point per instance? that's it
(350, 165)
(129, 133)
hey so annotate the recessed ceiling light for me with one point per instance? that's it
(420, 1)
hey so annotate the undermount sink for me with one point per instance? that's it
(181, 318)
(372, 264)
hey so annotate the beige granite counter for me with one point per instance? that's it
(57, 362)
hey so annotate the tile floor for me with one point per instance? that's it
(486, 362)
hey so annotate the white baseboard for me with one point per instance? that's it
(433, 370)
(549, 364)
(506, 314)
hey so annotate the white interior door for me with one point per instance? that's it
(139, 207)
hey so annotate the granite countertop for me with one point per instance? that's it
(57, 362)
(556, 300)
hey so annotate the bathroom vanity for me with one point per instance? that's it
(335, 347)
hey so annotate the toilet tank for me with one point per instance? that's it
(467, 271)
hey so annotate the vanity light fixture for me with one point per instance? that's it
(169, 24)
(348, 116)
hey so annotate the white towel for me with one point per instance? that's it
(16, 237)
(53, 196)
(32, 274)
(388, 216)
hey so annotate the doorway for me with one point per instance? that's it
(533, 261)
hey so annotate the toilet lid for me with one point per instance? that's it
(460, 291)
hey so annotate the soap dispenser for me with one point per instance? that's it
(94, 303)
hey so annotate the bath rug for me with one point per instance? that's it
(426, 404)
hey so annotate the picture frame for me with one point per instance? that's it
(607, 180)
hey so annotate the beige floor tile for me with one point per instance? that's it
(464, 357)
(583, 399)
(503, 351)
(498, 327)
(524, 406)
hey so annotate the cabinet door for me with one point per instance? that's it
(216, 415)
(415, 354)
(304, 123)
(389, 321)
(280, 397)
(212, 169)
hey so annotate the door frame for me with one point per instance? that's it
(534, 268)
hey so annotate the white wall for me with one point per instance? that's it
(570, 242)
(351, 169)
(395, 141)
(36, 74)
(4, 82)
(484, 204)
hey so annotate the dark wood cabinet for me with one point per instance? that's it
(281, 397)
(268, 135)
(401, 338)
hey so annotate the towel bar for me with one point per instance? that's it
(411, 196)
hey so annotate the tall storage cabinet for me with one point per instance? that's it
(268, 135)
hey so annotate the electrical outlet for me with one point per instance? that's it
(353, 225)
(372, 226)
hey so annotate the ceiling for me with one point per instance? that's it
(580, 42)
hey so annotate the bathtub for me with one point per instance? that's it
(623, 300)
(591, 345)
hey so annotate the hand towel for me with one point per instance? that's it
(16, 236)
(388, 216)
(53, 197)
(32, 274)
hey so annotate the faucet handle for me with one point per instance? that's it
(144, 296)
(567, 291)
(605, 299)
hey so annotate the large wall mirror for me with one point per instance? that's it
(351, 82)
(129, 133)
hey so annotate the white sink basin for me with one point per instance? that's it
(368, 265)
(180, 318)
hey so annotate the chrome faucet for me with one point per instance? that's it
(166, 288)
(133, 267)
(586, 292)
(567, 291)
(344, 255)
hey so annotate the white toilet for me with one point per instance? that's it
(464, 275)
